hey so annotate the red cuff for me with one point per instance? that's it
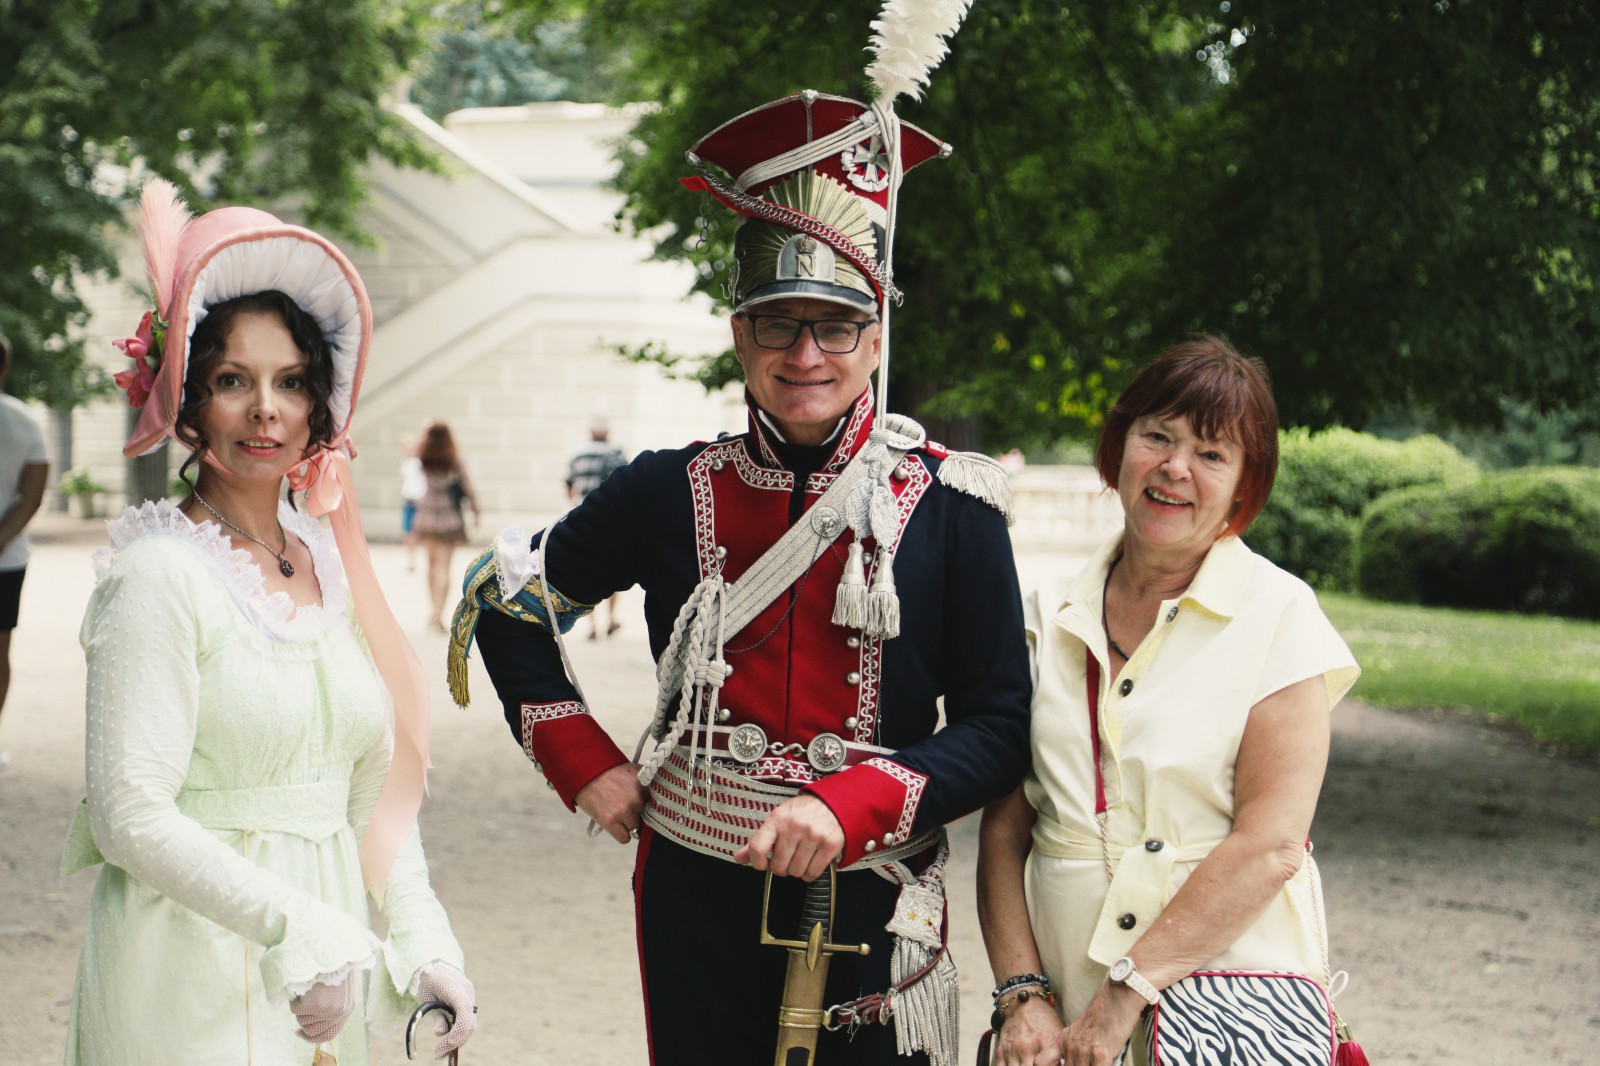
(875, 802)
(568, 746)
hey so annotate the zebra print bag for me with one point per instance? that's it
(1236, 1017)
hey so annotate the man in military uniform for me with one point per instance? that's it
(814, 586)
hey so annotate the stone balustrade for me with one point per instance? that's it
(1063, 509)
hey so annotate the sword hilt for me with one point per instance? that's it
(817, 908)
(809, 926)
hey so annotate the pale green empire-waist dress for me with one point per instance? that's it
(235, 750)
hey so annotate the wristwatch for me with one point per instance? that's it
(1124, 972)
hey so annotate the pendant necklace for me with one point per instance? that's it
(285, 567)
(1104, 593)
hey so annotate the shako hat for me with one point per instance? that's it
(812, 176)
(817, 178)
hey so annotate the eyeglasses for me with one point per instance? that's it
(836, 336)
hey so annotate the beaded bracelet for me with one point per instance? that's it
(1001, 1010)
(1019, 980)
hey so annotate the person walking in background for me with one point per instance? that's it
(255, 748)
(590, 466)
(23, 473)
(441, 522)
(1181, 724)
(413, 486)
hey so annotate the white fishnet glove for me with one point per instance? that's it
(450, 986)
(324, 1009)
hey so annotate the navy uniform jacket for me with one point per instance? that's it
(667, 518)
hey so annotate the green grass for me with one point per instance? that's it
(1540, 672)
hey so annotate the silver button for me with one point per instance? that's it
(724, 714)
(538, 767)
(1172, 613)
(900, 473)
(888, 838)
(549, 784)
(721, 552)
(850, 723)
(727, 670)
(853, 677)
(852, 642)
(1154, 845)
(871, 845)
(717, 464)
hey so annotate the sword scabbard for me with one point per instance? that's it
(801, 1015)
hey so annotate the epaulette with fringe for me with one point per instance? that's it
(977, 475)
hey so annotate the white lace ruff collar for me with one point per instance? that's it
(274, 613)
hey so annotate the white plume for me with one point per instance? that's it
(908, 41)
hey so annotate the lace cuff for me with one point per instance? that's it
(415, 986)
(320, 943)
(390, 1002)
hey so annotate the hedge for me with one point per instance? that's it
(1325, 481)
(1520, 540)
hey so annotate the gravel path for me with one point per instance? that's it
(1461, 865)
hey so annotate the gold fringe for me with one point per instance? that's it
(482, 589)
(463, 623)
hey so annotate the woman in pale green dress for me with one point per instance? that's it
(246, 784)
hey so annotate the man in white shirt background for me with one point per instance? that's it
(24, 469)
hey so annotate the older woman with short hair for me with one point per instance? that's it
(1180, 734)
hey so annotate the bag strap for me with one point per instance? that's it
(1092, 677)
(1092, 680)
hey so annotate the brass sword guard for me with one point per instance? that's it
(813, 946)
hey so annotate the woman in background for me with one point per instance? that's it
(441, 522)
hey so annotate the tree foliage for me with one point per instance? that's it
(1399, 208)
(1391, 203)
(244, 101)
(486, 57)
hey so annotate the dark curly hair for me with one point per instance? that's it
(210, 340)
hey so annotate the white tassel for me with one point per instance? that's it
(980, 476)
(926, 1015)
(883, 602)
(908, 41)
(850, 600)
